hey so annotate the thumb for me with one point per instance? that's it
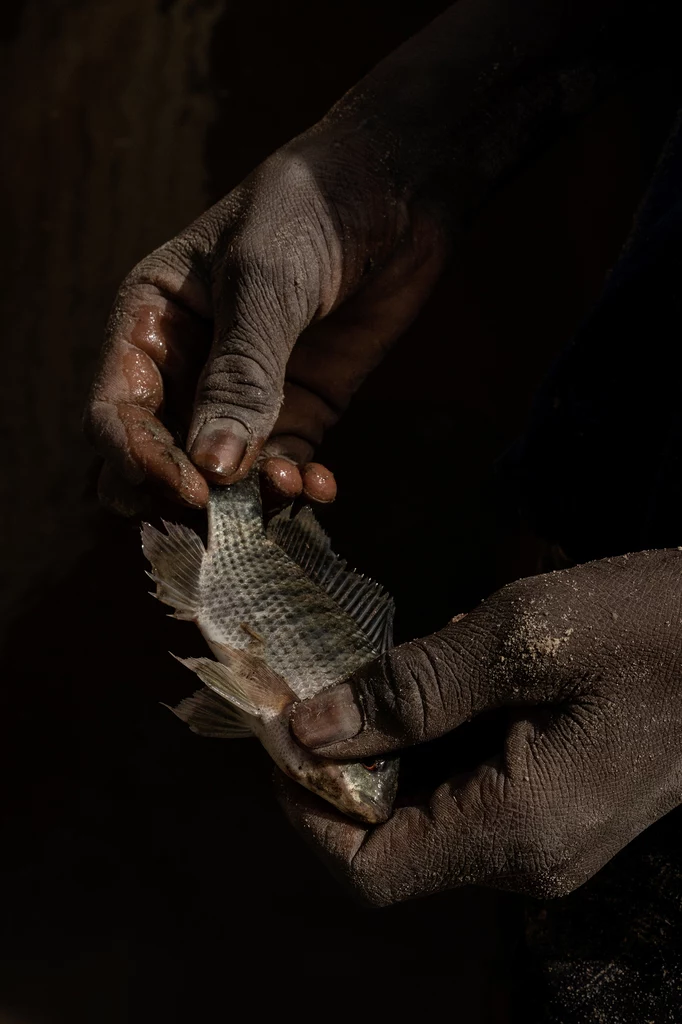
(413, 693)
(259, 313)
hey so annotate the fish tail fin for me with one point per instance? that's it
(243, 679)
(176, 558)
(209, 715)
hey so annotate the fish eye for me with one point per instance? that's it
(372, 766)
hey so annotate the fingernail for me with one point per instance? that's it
(318, 482)
(329, 717)
(283, 477)
(220, 446)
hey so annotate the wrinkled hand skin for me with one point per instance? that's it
(248, 334)
(589, 662)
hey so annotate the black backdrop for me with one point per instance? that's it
(147, 874)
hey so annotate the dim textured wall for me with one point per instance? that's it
(106, 107)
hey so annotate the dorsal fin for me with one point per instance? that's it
(307, 544)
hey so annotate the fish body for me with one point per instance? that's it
(284, 618)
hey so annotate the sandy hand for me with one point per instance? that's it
(587, 661)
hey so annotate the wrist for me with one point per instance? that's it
(459, 106)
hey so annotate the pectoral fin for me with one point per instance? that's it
(243, 679)
(176, 557)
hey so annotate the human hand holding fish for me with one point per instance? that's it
(244, 338)
(587, 663)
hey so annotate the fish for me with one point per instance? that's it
(284, 618)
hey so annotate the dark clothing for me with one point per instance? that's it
(600, 469)
(599, 472)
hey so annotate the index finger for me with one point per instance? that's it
(154, 343)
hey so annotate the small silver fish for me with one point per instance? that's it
(285, 618)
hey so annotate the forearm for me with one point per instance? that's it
(463, 102)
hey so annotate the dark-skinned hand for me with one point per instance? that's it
(589, 663)
(257, 324)
(248, 333)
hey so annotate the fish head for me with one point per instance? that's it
(365, 790)
(370, 788)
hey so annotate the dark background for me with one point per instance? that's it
(148, 874)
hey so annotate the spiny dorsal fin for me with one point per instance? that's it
(306, 543)
(209, 715)
(176, 558)
(304, 540)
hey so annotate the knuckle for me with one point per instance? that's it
(466, 654)
(198, 241)
(413, 691)
(238, 376)
(405, 676)
(164, 267)
(176, 270)
(96, 417)
(289, 181)
(271, 279)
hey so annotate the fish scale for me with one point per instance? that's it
(285, 618)
(309, 640)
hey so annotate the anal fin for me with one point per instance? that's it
(209, 715)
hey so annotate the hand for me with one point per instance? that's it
(588, 661)
(256, 325)
(252, 329)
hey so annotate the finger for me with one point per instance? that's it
(289, 472)
(413, 693)
(280, 481)
(283, 482)
(261, 306)
(153, 342)
(334, 355)
(141, 450)
(319, 484)
(280, 366)
(508, 651)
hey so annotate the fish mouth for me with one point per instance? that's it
(371, 815)
(368, 790)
